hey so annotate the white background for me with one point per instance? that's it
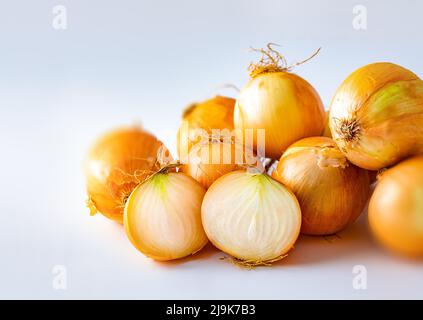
(121, 62)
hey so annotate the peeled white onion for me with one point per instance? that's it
(251, 217)
(163, 216)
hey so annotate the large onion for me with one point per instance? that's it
(212, 114)
(376, 115)
(396, 208)
(163, 216)
(332, 192)
(116, 164)
(282, 103)
(251, 217)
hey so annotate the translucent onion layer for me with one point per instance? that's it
(163, 217)
(331, 191)
(251, 217)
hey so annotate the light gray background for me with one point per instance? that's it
(121, 62)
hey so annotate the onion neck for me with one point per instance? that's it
(272, 61)
(348, 129)
(256, 70)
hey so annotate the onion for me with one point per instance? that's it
(376, 115)
(282, 103)
(251, 217)
(212, 114)
(116, 164)
(326, 130)
(210, 160)
(332, 192)
(396, 208)
(163, 216)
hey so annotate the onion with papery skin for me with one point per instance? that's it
(210, 160)
(326, 130)
(282, 103)
(396, 208)
(331, 191)
(215, 113)
(251, 217)
(116, 164)
(376, 115)
(163, 216)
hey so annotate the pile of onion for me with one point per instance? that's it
(376, 115)
(251, 217)
(282, 103)
(201, 119)
(218, 190)
(331, 191)
(396, 208)
(116, 164)
(163, 216)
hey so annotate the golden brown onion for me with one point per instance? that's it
(285, 105)
(376, 115)
(215, 113)
(116, 164)
(396, 208)
(331, 191)
(211, 160)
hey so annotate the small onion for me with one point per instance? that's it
(332, 192)
(282, 103)
(251, 217)
(209, 161)
(116, 164)
(396, 208)
(376, 115)
(163, 216)
(326, 130)
(212, 114)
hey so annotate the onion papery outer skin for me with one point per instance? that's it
(231, 157)
(376, 115)
(283, 104)
(115, 165)
(215, 113)
(331, 191)
(251, 217)
(163, 217)
(396, 208)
